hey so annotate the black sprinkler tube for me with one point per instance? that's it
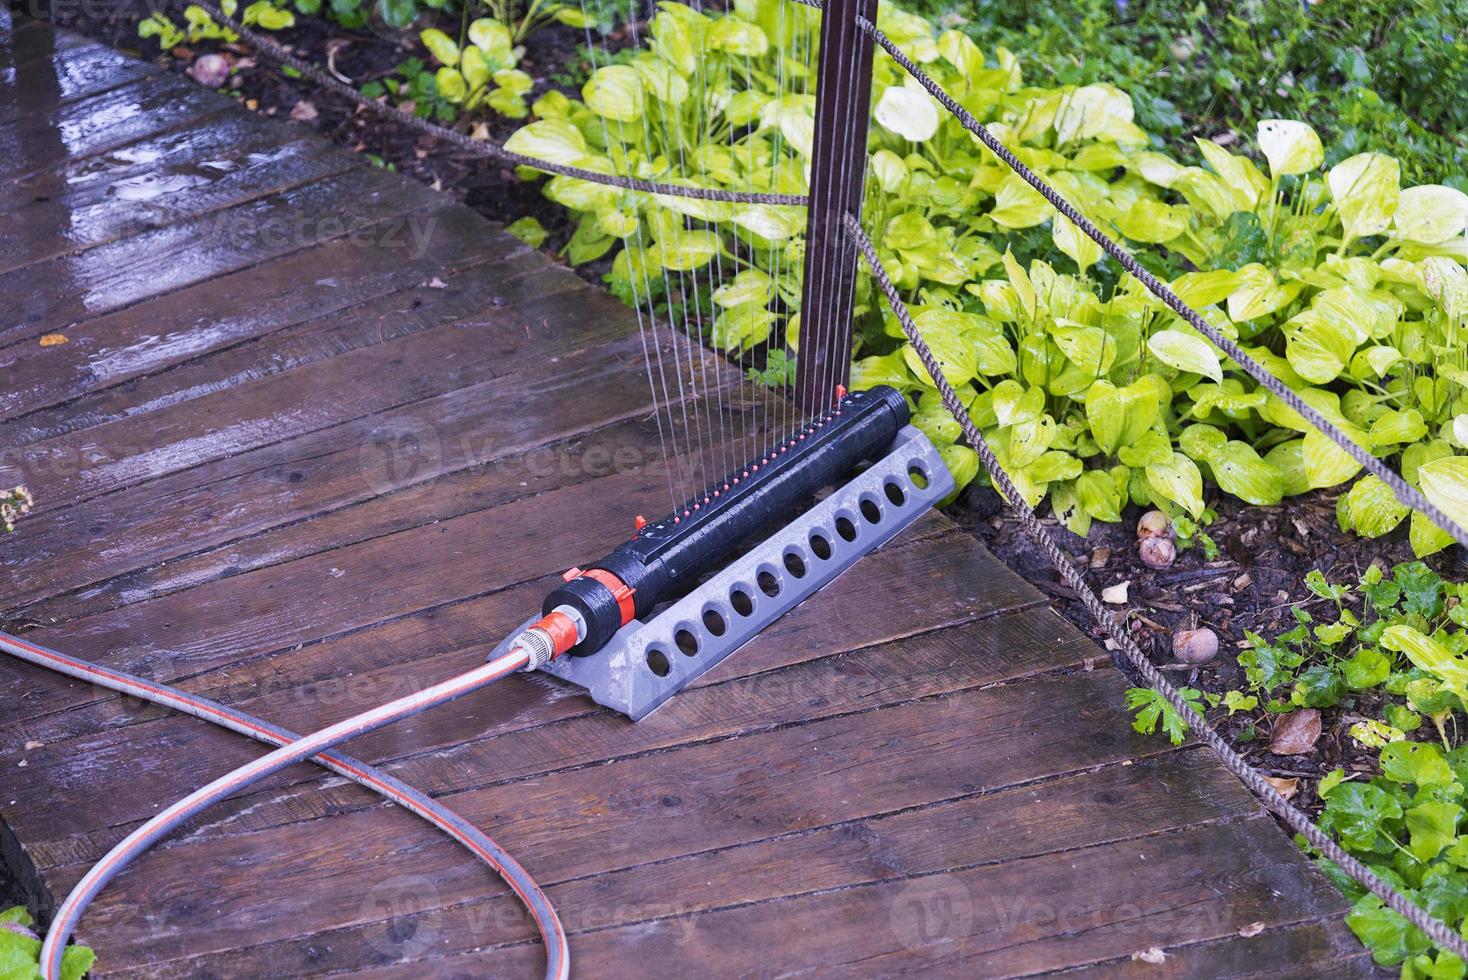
(667, 558)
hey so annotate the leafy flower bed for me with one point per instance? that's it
(1389, 663)
(1346, 285)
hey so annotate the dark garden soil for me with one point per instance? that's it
(1263, 552)
(1252, 584)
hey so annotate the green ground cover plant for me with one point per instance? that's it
(1392, 651)
(1347, 284)
(1370, 75)
(20, 950)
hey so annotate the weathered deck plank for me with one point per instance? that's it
(304, 473)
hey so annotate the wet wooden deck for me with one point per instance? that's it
(318, 434)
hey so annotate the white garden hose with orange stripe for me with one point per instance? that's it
(293, 748)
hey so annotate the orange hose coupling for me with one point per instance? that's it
(550, 636)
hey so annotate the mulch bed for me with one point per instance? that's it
(1264, 552)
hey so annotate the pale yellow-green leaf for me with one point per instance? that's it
(451, 85)
(1238, 470)
(1429, 655)
(1206, 288)
(1207, 192)
(1397, 426)
(1179, 481)
(962, 463)
(1257, 293)
(1096, 112)
(1053, 465)
(737, 37)
(740, 328)
(1288, 460)
(574, 17)
(908, 111)
(749, 286)
(552, 140)
(1291, 147)
(1158, 169)
(495, 40)
(1365, 188)
(959, 50)
(685, 251)
(1426, 537)
(1446, 282)
(441, 46)
(1374, 734)
(474, 66)
(1431, 213)
(1018, 205)
(1242, 178)
(887, 369)
(890, 171)
(614, 91)
(1316, 349)
(1327, 464)
(942, 330)
(1090, 349)
(1186, 352)
(1119, 416)
(933, 420)
(1374, 362)
(1028, 439)
(1373, 508)
(1152, 221)
(1083, 251)
(1013, 403)
(663, 81)
(1444, 481)
(770, 222)
(1020, 280)
(615, 222)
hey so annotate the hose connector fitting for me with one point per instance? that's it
(550, 636)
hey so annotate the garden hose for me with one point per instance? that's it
(478, 843)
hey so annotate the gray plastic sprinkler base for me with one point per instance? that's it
(647, 663)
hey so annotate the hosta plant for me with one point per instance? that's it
(199, 26)
(1344, 284)
(482, 71)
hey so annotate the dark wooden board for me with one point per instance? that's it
(288, 466)
(44, 77)
(55, 293)
(76, 385)
(206, 176)
(54, 131)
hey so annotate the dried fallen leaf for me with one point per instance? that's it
(1100, 557)
(33, 744)
(1285, 787)
(53, 339)
(1296, 733)
(1116, 594)
(1155, 955)
(304, 111)
(1252, 929)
